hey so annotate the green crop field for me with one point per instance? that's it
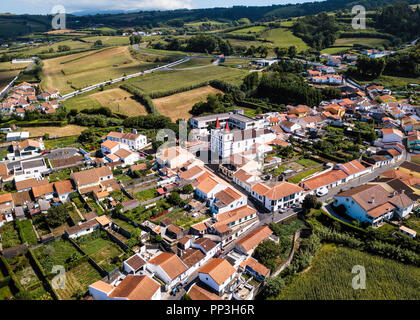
(335, 50)
(172, 80)
(330, 278)
(9, 235)
(282, 37)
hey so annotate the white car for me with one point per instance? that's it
(322, 192)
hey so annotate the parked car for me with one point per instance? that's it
(322, 192)
(282, 210)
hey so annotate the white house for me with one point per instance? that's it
(228, 199)
(245, 179)
(134, 140)
(280, 196)
(217, 274)
(79, 230)
(169, 268)
(371, 203)
(289, 126)
(29, 169)
(207, 247)
(134, 264)
(28, 147)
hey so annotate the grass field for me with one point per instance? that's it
(78, 278)
(84, 69)
(177, 106)
(331, 278)
(335, 50)
(9, 235)
(283, 37)
(370, 42)
(62, 142)
(8, 71)
(110, 40)
(72, 44)
(146, 195)
(307, 163)
(172, 80)
(28, 232)
(70, 130)
(396, 83)
(249, 30)
(119, 101)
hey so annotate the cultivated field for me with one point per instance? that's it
(172, 80)
(70, 130)
(119, 101)
(370, 42)
(177, 106)
(83, 69)
(110, 40)
(330, 278)
(249, 30)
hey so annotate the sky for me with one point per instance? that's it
(45, 6)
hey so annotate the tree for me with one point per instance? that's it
(250, 82)
(267, 252)
(280, 52)
(174, 199)
(56, 216)
(273, 287)
(309, 203)
(187, 189)
(292, 51)
(97, 43)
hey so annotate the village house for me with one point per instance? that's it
(134, 140)
(217, 274)
(97, 179)
(169, 268)
(132, 287)
(28, 148)
(280, 196)
(372, 204)
(248, 243)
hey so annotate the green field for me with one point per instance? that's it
(396, 83)
(9, 235)
(146, 195)
(370, 42)
(168, 80)
(110, 40)
(298, 178)
(55, 253)
(282, 37)
(249, 30)
(330, 278)
(28, 232)
(101, 250)
(307, 163)
(335, 50)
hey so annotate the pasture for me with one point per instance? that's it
(80, 70)
(70, 130)
(119, 101)
(350, 42)
(249, 30)
(173, 80)
(110, 40)
(177, 106)
(330, 278)
(282, 37)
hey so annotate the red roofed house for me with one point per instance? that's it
(217, 274)
(282, 195)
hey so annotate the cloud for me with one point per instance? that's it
(103, 5)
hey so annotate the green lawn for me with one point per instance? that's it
(396, 83)
(335, 50)
(9, 235)
(5, 292)
(95, 206)
(301, 176)
(124, 224)
(61, 175)
(307, 163)
(146, 195)
(330, 278)
(370, 42)
(413, 223)
(28, 232)
(167, 80)
(81, 102)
